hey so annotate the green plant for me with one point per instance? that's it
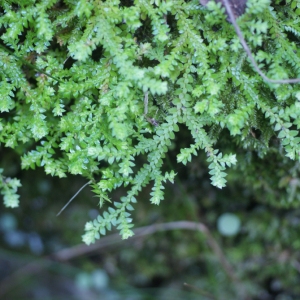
(74, 76)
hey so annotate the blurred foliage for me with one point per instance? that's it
(264, 253)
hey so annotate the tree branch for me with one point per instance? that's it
(68, 254)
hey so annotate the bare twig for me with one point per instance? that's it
(248, 51)
(150, 120)
(201, 292)
(146, 104)
(67, 254)
(73, 197)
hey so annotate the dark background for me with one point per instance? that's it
(42, 256)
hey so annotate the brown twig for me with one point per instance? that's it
(201, 292)
(248, 51)
(68, 254)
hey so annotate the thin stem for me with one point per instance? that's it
(146, 104)
(150, 120)
(29, 64)
(203, 293)
(73, 197)
(248, 51)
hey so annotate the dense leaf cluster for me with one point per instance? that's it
(74, 76)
